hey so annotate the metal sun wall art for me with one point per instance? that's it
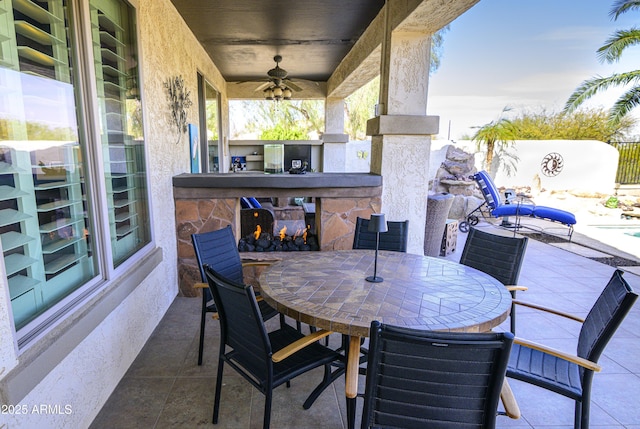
(179, 102)
(552, 164)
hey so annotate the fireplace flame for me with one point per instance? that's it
(300, 232)
(278, 240)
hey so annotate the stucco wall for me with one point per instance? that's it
(85, 378)
(358, 156)
(587, 165)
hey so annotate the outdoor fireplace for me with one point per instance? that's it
(206, 202)
(260, 232)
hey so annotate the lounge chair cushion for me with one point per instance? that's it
(558, 215)
(250, 203)
(498, 209)
(255, 204)
(513, 210)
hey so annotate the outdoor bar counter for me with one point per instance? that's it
(210, 201)
(257, 184)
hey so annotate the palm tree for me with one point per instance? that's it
(495, 136)
(610, 52)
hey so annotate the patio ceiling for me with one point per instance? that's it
(243, 36)
(329, 48)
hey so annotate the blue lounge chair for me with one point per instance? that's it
(498, 209)
(250, 203)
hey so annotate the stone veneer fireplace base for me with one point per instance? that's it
(206, 202)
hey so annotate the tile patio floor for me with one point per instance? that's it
(165, 388)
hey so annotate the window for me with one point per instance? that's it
(116, 68)
(209, 121)
(48, 207)
(213, 135)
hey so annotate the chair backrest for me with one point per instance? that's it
(394, 239)
(419, 378)
(488, 188)
(605, 316)
(497, 255)
(219, 250)
(241, 325)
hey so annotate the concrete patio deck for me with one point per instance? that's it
(165, 388)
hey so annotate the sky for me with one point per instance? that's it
(526, 55)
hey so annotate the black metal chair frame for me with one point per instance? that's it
(569, 375)
(219, 250)
(265, 359)
(499, 256)
(419, 378)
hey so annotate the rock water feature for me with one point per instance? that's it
(453, 177)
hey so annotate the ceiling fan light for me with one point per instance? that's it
(277, 89)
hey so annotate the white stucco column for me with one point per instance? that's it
(334, 141)
(401, 133)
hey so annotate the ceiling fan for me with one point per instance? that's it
(277, 86)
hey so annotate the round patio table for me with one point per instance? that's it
(328, 290)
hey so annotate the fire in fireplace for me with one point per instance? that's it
(296, 238)
(261, 233)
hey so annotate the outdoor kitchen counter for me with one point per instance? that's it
(256, 184)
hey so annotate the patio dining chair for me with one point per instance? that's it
(219, 250)
(419, 379)
(394, 239)
(499, 256)
(265, 359)
(572, 375)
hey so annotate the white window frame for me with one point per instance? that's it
(43, 343)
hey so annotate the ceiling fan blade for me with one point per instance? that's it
(263, 86)
(266, 79)
(292, 85)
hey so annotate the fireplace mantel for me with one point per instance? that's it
(206, 202)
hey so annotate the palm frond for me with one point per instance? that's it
(621, 6)
(586, 90)
(502, 131)
(591, 87)
(614, 46)
(624, 104)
